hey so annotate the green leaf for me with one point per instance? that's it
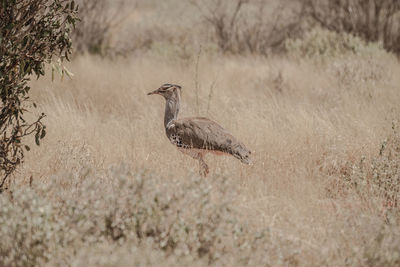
(29, 37)
(25, 41)
(37, 139)
(69, 74)
(43, 134)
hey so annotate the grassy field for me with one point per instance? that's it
(106, 187)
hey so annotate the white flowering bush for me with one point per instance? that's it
(191, 219)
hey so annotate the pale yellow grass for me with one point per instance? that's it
(302, 130)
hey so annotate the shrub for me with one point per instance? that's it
(31, 34)
(375, 180)
(323, 44)
(186, 219)
(373, 21)
(247, 26)
(99, 19)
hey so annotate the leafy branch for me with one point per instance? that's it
(32, 33)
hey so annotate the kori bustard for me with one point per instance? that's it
(198, 135)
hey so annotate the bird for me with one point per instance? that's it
(197, 136)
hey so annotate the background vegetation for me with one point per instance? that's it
(318, 105)
(32, 34)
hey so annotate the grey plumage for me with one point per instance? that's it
(202, 133)
(198, 135)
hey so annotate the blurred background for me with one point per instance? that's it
(179, 27)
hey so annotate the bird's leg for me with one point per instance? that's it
(203, 166)
(200, 157)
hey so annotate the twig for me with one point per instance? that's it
(196, 81)
(210, 94)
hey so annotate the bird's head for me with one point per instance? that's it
(167, 90)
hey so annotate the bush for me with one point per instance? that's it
(99, 19)
(31, 34)
(375, 181)
(247, 26)
(323, 44)
(372, 21)
(186, 219)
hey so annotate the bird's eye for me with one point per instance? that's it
(165, 88)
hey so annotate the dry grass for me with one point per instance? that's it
(308, 123)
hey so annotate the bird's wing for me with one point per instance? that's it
(202, 133)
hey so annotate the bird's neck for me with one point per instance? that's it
(171, 109)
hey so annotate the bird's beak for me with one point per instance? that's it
(155, 92)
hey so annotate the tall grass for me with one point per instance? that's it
(107, 188)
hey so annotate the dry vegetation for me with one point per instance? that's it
(106, 188)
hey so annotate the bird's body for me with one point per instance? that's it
(205, 134)
(197, 136)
